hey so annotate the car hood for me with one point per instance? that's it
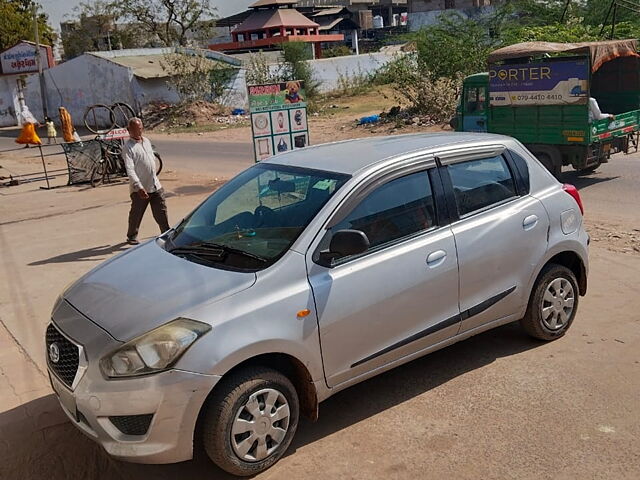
(146, 287)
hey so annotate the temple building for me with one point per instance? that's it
(272, 23)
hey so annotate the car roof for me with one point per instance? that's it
(351, 156)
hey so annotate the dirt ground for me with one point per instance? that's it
(497, 406)
(337, 119)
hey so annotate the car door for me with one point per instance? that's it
(500, 233)
(398, 297)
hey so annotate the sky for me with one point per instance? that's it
(57, 9)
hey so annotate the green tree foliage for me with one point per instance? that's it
(16, 24)
(296, 67)
(96, 28)
(338, 51)
(196, 77)
(260, 71)
(418, 90)
(173, 22)
(454, 46)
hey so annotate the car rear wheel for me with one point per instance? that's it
(250, 421)
(553, 303)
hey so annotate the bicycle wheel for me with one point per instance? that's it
(122, 113)
(158, 163)
(98, 118)
(98, 173)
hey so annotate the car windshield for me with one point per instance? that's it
(253, 219)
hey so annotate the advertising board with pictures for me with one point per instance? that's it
(278, 118)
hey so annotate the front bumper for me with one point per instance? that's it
(172, 399)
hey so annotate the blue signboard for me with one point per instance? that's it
(545, 83)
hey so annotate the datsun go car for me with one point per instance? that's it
(304, 275)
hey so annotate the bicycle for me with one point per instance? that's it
(100, 117)
(112, 163)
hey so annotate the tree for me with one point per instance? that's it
(456, 45)
(173, 22)
(196, 77)
(96, 28)
(16, 24)
(295, 66)
(539, 20)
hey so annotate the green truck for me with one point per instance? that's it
(540, 93)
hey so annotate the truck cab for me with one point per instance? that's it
(474, 105)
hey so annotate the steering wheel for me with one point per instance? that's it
(263, 216)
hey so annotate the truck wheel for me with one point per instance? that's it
(553, 303)
(250, 421)
(591, 169)
(549, 164)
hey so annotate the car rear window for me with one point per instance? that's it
(478, 184)
(523, 171)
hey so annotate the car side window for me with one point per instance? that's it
(478, 184)
(397, 209)
(475, 99)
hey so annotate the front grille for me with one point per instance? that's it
(68, 357)
(132, 424)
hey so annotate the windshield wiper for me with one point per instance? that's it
(215, 250)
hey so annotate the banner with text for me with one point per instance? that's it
(545, 83)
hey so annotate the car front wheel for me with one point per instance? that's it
(553, 303)
(250, 421)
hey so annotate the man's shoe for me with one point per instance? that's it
(133, 241)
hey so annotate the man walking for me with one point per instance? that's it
(144, 186)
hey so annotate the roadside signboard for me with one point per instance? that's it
(21, 58)
(546, 83)
(278, 118)
(114, 134)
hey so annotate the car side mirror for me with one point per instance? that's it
(345, 243)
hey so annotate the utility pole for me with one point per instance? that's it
(564, 12)
(43, 94)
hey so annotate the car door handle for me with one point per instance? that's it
(436, 258)
(529, 222)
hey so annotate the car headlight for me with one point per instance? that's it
(154, 351)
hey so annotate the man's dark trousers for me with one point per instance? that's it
(139, 206)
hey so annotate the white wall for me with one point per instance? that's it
(329, 70)
(152, 90)
(8, 100)
(89, 79)
(76, 84)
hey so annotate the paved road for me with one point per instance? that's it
(608, 192)
(224, 159)
(611, 192)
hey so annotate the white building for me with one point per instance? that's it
(18, 66)
(136, 77)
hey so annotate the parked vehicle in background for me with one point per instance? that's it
(538, 93)
(304, 275)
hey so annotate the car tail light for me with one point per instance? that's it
(573, 191)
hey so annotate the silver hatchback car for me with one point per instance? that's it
(304, 275)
